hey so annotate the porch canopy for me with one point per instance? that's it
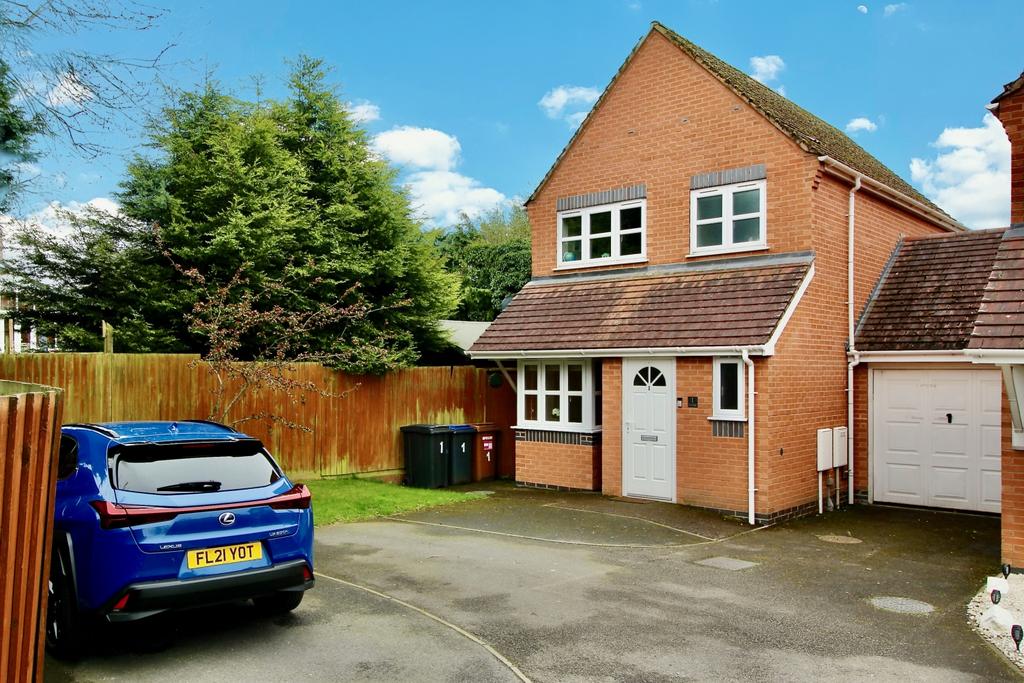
(710, 307)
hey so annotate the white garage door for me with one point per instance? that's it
(937, 438)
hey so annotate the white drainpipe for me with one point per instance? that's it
(852, 351)
(750, 435)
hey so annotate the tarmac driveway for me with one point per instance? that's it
(549, 586)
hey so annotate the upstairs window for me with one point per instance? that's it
(727, 218)
(597, 235)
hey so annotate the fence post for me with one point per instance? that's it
(108, 336)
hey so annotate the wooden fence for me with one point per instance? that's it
(352, 435)
(30, 416)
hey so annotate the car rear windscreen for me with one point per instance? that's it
(192, 467)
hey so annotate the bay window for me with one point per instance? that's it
(610, 233)
(556, 394)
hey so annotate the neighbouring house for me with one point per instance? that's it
(13, 337)
(719, 275)
(939, 383)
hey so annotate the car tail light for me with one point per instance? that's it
(296, 498)
(114, 516)
(307, 575)
(122, 603)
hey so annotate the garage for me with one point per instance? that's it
(936, 437)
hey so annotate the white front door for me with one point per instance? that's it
(648, 428)
(936, 437)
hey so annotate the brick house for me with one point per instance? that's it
(703, 250)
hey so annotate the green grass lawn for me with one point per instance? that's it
(349, 500)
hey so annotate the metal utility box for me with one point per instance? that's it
(839, 447)
(824, 449)
(460, 470)
(427, 450)
(486, 451)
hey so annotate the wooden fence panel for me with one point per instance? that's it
(356, 434)
(30, 418)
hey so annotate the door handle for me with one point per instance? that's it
(949, 418)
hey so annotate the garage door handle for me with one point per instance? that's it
(949, 418)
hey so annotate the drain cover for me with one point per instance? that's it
(901, 605)
(730, 563)
(830, 538)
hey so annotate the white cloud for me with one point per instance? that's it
(861, 123)
(443, 196)
(53, 217)
(69, 90)
(418, 147)
(863, 9)
(970, 176)
(894, 8)
(569, 102)
(363, 111)
(766, 68)
(438, 193)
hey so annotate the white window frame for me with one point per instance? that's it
(727, 191)
(586, 393)
(717, 413)
(586, 260)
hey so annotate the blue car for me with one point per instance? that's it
(159, 516)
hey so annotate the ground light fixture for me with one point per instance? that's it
(1017, 633)
(1006, 571)
(996, 596)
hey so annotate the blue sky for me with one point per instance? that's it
(474, 100)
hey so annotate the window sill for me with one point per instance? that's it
(726, 250)
(726, 418)
(576, 265)
(558, 428)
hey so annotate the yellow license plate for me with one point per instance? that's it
(227, 554)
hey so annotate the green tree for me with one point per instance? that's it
(17, 129)
(290, 189)
(492, 256)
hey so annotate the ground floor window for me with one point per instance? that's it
(728, 389)
(558, 394)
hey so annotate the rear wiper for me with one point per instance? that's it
(192, 486)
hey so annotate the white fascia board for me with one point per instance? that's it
(840, 169)
(622, 353)
(997, 356)
(913, 357)
(769, 348)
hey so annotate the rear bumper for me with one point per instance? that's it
(153, 597)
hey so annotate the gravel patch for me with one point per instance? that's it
(996, 630)
(891, 603)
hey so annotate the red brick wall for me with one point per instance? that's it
(1011, 114)
(638, 135)
(805, 388)
(711, 471)
(611, 433)
(555, 464)
(1012, 500)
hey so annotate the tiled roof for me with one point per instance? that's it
(1000, 323)
(809, 131)
(931, 294)
(1010, 88)
(737, 306)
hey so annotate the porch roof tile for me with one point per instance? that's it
(735, 306)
